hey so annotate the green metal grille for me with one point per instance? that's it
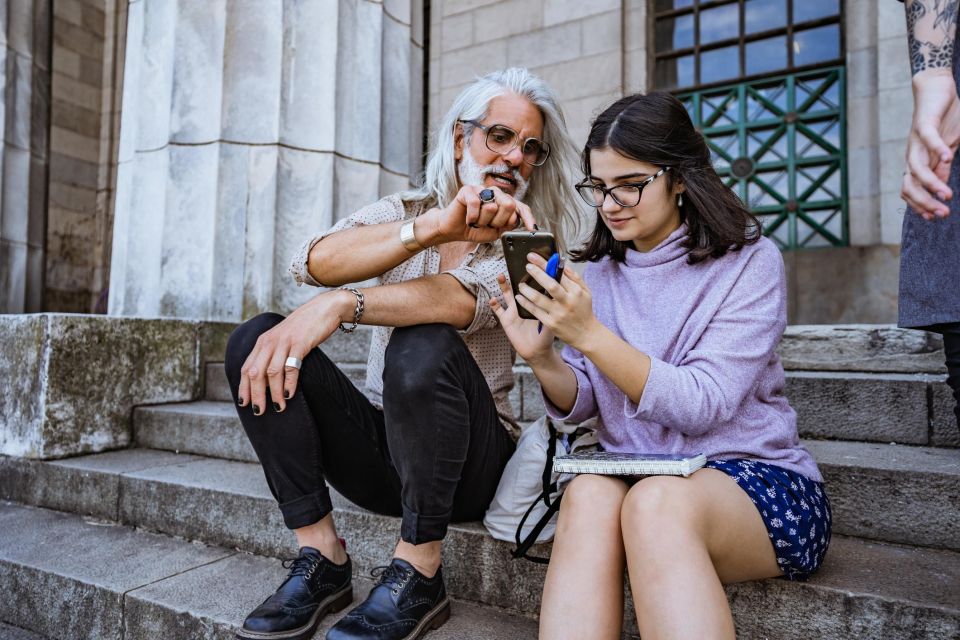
(781, 144)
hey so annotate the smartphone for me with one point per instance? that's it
(516, 246)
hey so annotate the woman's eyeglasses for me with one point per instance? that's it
(502, 139)
(625, 195)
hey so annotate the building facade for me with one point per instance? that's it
(164, 157)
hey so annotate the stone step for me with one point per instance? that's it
(151, 585)
(879, 491)
(135, 585)
(908, 408)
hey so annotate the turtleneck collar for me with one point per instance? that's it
(667, 251)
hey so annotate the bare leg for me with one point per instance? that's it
(425, 557)
(583, 592)
(684, 539)
(322, 536)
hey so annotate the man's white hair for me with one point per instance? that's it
(550, 196)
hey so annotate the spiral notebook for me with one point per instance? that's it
(609, 463)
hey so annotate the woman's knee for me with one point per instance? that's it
(243, 339)
(659, 509)
(592, 501)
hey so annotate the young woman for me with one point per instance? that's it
(672, 333)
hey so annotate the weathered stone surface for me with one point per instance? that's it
(246, 199)
(74, 379)
(216, 387)
(944, 431)
(227, 503)
(251, 72)
(873, 348)
(155, 56)
(308, 107)
(187, 279)
(61, 560)
(864, 590)
(198, 72)
(86, 485)
(211, 602)
(203, 428)
(8, 632)
(880, 407)
(894, 493)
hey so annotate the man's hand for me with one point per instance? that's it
(310, 325)
(933, 141)
(467, 219)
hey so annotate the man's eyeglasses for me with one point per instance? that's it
(502, 139)
(625, 195)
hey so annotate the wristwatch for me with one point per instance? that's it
(408, 238)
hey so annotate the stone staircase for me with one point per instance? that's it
(177, 536)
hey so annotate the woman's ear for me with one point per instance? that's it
(458, 141)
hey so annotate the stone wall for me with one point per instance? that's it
(25, 111)
(87, 51)
(577, 47)
(247, 126)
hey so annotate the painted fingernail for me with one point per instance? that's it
(256, 410)
(287, 395)
(241, 402)
(276, 407)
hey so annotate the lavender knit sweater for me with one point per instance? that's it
(711, 331)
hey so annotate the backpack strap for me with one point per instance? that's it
(549, 488)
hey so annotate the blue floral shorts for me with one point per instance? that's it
(794, 508)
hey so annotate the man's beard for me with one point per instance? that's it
(473, 173)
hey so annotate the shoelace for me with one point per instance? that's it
(300, 566)
(392, 576)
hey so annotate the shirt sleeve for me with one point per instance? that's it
(585, 404)
(479, 276)
(389, 209)
(713, 379)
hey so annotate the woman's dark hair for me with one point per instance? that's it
(656, 128)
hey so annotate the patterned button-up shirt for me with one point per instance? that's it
(477, 273)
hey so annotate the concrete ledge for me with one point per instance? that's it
(861, 347)
(71, 381)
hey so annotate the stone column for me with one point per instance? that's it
(246, 126)
(25, 109)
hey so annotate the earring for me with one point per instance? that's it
(680, 200)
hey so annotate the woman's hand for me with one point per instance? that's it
(522, 333)
(308, 326)
(468, 219)
(568, 311)
(932, 143)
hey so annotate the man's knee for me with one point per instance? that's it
(243, 339)
(415, 356)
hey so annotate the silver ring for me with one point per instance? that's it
(487, 195)
(294, 362)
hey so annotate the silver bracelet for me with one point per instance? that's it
(357, 313)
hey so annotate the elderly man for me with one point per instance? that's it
(428, 436)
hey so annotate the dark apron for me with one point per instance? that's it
(930, 257)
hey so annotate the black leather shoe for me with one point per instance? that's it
(403, 606)
(314, 587)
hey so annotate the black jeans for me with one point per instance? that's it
(951, 349)
(434, 455)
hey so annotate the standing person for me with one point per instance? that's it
(930, 249)
(429, 435)
(671, 337)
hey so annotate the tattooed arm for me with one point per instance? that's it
(931, 30)
(935, 133)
